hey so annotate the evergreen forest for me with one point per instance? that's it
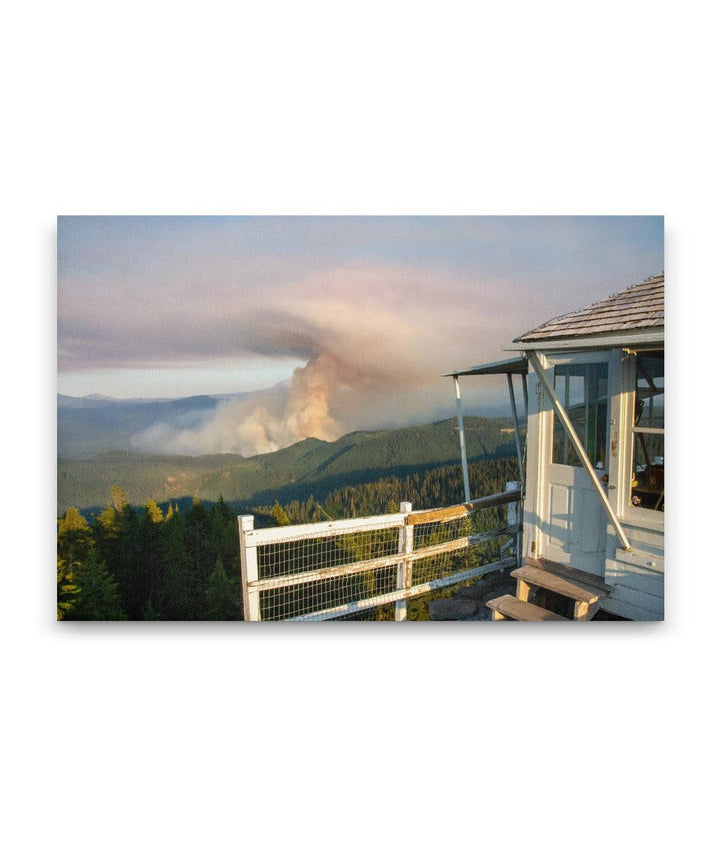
(161, 562)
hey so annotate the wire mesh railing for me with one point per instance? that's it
(338, 569)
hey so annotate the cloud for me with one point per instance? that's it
(374, 336)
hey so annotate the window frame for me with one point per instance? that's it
(647, 518)
(576, 362)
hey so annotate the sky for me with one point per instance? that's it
(355, 318)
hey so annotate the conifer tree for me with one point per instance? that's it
(97, 597)
(117, 536)
(125, 566)
(151, 565)
(176, 597)
(119, 498)
(74, 537)
(154, 511)
(149, 613)
(223, 540)
(222, 597)
(67, 589)
(196, 526)
(279, 515)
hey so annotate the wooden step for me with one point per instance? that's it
(508, 606)
(582, 578)
(560, 585)
(585, 595)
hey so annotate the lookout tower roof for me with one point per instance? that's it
(641, 307)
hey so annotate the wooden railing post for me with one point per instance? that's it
(404, 573)
(248, 569)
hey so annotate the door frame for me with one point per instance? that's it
(546, 413)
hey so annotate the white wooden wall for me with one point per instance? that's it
(638, 578)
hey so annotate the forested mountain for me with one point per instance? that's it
(157, 562)
(311, 466)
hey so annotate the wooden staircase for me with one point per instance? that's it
(541, 579)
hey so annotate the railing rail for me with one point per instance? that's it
(321, 571)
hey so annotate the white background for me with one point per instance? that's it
(338, 739)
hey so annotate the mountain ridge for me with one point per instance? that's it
(354, 458)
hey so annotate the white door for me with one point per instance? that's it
(575, 520)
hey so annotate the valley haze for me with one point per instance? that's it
(185, 426)
(309, 466)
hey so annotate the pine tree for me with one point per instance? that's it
(119, 498)
(67, 589)
(197, 529)
(117, 536)
(97, 597)
(151, 564)
(74, 538)
(223, 542)
(279, 515)
(154, 511)
(126, 565)
(176, 596)
(149, 613)
(222, 597)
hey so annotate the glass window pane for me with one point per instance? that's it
(648, 462)
(650, 390)
(582, 390)
(648, 480)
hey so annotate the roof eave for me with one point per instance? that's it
(517, 365)
(619, 339)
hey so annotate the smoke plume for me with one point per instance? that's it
(373, 343)
(373, 311)
(365, 362)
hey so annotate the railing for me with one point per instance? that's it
(330, 570)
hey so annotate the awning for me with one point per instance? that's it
(516, 365)
(509, 367)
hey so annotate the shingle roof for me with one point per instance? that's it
(638, 307)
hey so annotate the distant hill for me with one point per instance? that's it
(97, 423)
(308, 466)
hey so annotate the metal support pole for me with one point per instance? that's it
(514, 518)
(527, 410)
(518, 445)
(521, 484)
(582, 454)
(461, 431)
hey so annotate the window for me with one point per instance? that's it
(648, 447)
(582, 390)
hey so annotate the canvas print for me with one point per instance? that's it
(314, 419)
